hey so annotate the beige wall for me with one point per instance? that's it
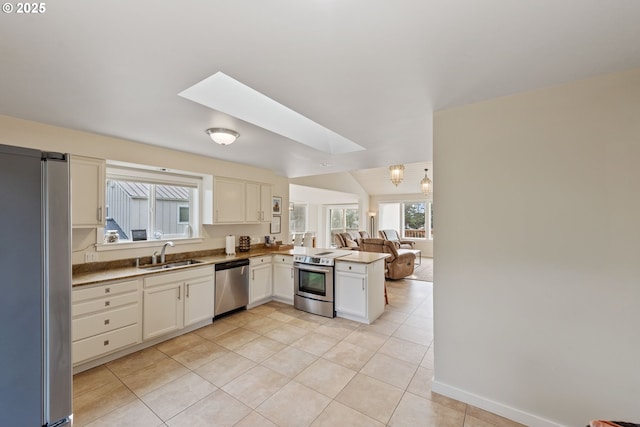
(537, 272)
(37, 135)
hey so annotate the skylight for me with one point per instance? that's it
(225, 94)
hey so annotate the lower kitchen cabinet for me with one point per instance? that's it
(283, 278)
(105, 318)
(260, 279)
(162, 309)
(199, 297)
(172, 301)
(359, 290)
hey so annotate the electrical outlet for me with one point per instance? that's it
(90, 256)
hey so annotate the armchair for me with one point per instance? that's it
(395, 238)
(398, 265)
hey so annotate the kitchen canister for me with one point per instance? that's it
(245, 244)
(230, 245)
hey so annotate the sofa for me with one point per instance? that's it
(349, 239)
(399, 265)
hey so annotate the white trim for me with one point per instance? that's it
(126, 244)
(492, 406)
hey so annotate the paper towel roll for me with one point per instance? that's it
(230, 247)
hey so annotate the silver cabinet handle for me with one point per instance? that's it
(107, 290)
(100, 214)
(106, 321)
(292, 273)
(363, 284)
(253, 275)
(178, 292)
(188, 290)
(105, 342)
(107, 303)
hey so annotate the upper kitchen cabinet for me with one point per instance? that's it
(258, 206)
(87, 192)
(239, 202)
(228, 200)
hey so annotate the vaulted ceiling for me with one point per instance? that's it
(373, 72)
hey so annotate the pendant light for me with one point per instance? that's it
(425, 184)
(397, 174)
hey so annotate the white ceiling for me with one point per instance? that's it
(372, 71)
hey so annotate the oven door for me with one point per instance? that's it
(313, 281)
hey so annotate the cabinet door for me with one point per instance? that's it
(162, 310)
(87, 192)
(198, 303)
(266, 193)
(351, 294)
(253, 212)
(228, 200)
(283, 281)
(260, 283)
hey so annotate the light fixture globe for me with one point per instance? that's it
(425, 184)
(396, 173)
(222, 136)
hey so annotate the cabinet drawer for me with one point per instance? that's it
(260, 260)
(104, 290)
(178, 276)
(101, 304)
(100, 323)
(283, 259)
(351, 267)
(102, 344)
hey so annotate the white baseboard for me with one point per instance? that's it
(492, 406)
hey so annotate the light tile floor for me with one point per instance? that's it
(277, 366)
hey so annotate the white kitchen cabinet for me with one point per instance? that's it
(105, 318)
(199, 297)
(87, 192)
(266, 197)
(228, 200)
(166, 307)
(163, 310)
(259, 279)
(359, 290)
(283, 278)
(258, 202)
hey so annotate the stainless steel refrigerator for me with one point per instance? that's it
(35, 288)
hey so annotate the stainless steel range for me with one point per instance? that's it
(314, 281)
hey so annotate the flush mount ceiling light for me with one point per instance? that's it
(425, 184)
(223, 136)
(397, 174)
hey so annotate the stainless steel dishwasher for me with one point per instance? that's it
(232, 286)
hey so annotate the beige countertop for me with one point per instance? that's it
(363, 257)
(106, 273)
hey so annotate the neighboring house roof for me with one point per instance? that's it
(164, 192)
(112, 225)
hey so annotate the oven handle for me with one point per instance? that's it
(308, 267)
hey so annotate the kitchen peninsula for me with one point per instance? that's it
(119, 308)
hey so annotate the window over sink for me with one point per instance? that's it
(163, 203)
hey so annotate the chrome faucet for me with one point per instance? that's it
(164, 247)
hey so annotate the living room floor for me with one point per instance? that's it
(277, 366)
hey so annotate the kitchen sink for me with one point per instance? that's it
(169, 265)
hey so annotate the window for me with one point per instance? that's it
(298, 218)
(343, 219)
(163, 204)
(414, 219)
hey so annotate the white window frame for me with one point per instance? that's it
(401, 226)
(123, 171)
